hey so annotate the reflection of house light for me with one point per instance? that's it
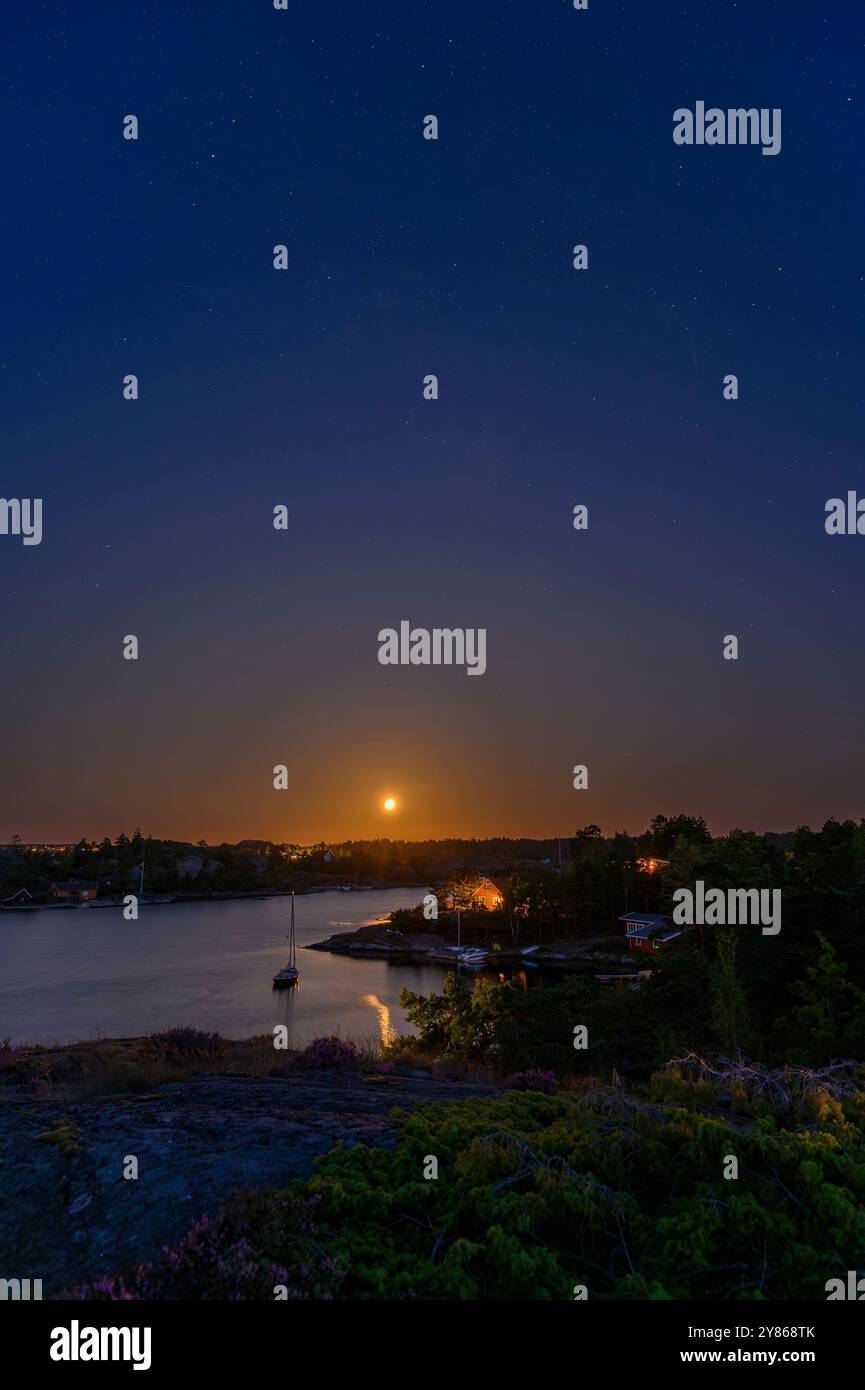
(386, 1032)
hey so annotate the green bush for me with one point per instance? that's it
(536, 1194)
(617, 1189)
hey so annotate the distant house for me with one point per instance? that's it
(651, 864)
(18, 899)
(490, 893)
(257, 847)
(75, 890)
(328, 856)
(649, 931)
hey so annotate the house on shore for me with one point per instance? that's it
(21, 898)
(75, 890)
(490, 893)
(649, 931)
(652, 864)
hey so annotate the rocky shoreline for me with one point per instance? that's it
(379, 939)
(68, 1214)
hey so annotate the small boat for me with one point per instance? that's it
(463, 955)
(289, 974)
(473, 958)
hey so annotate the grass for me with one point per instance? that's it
(122, 1066)
(137, 1067)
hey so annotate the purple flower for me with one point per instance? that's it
(544, 1081)
(329, 1052)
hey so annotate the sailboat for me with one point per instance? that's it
(288, 975)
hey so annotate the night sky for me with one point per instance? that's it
(304, 387)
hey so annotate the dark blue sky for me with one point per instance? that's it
(303, 387)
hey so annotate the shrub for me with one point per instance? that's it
(329, 1052)
(64, 1134)
(535, 1080)
(544, 1192)
(180, 1046)
(13, 1063)
(230, 1257)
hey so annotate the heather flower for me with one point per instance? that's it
(231, 1257)
(534, 1080)
(329, 1052)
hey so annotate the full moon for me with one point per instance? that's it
(389, 804)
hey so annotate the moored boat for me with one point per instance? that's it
(289, 974)
(464, 955)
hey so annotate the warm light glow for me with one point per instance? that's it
(390, 803)
(387, 1032)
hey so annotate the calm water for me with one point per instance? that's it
(67, 976)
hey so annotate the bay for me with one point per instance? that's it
(85, 973)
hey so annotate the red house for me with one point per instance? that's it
(649, 931)
(78, 889)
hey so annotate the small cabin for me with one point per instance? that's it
(649, 931)
(19, 899)
(651, 864)
(489, 893)
(75, 890)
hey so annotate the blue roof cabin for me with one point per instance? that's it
(649, 931)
